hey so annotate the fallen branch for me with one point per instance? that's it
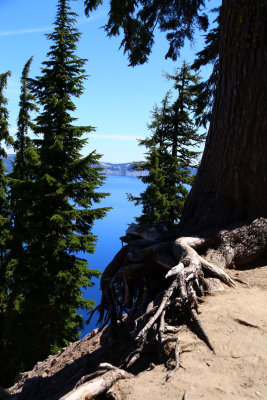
(95, 387)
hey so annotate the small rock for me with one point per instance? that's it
(208, 363)
(235, 355)
(258, 394)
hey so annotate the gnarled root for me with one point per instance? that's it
(159, 282)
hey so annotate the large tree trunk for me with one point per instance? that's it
(232, 179)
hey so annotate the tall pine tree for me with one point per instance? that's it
(5, 139)
(170, 152)
(21, 180)
(5, 221)
(62, 212)
(24, 167)
(154, 199)
(26, 154)
(183, 137)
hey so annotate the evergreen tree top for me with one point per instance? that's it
(4, 133)
(26, 104)
(63, 73)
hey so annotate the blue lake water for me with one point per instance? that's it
(109, 230)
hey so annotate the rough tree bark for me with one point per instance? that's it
(231, 182)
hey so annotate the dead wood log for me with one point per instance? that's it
(99, 385)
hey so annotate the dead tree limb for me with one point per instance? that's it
(99, 385)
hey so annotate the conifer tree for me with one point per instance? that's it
(170, 152)
(154, 199)
(5, 139)
(26, 154)
(5, 222)
(183, 136)
(21, 180)
(24, 166)
(61, 214)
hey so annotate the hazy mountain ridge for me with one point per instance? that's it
(123, 169)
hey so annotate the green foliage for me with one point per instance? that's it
(5, 139)
(139, 19)
(170, 152)
(5, 221)
(47, 280)
(24, 169)
(20, 181)
(209, 55)
(26, 154)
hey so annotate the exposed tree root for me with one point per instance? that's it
(186, 395)
(151, 292)
(158, 281)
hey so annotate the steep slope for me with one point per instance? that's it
(236, 321)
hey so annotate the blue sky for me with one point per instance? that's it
(117, 99)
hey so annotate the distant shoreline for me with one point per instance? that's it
(121, 169)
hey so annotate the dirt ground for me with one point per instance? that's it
(236, 322)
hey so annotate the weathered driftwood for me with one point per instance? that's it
(96, 386)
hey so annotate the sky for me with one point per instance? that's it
(117, 99)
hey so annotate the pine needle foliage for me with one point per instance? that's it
(138, 20)
(5, 220)
(171, 154)
(26, 153)
(209, 55)
(24, 167)
(5, 139)
(64, 192)
(21, 181)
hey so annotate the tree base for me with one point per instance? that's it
(158, 281)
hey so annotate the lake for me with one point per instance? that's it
(110, 229)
